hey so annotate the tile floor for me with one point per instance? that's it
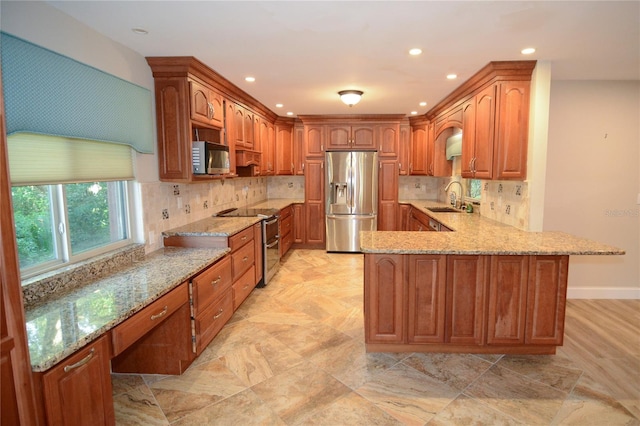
(293, 354)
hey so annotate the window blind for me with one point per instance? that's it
(43, 159)
(48, 93)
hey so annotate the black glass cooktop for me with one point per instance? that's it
(235, 212)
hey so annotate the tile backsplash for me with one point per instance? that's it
(420, 188)
(169, 205)
(285, 187)
(506, 202)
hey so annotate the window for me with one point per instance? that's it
(63, 223)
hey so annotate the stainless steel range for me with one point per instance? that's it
(270, 238)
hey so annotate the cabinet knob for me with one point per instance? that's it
(216, 281)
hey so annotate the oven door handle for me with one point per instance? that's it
(272, 244)
(271, 222)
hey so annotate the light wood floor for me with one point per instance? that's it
(293, 354)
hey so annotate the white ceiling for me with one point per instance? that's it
(303, 53)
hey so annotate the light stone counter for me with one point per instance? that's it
(278, 203)
(213, 226)
(473, 234)
(62, 324)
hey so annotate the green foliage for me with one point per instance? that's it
(34, 232)
(88, 213)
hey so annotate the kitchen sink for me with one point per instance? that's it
(443, 210)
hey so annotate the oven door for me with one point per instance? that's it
(271, 250)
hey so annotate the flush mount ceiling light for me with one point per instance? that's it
(350, 97)
(140, 31)
(528, 51)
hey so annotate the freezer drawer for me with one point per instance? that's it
(343, 231)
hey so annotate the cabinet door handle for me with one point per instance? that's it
(216, 281)
(216, 316)
(245, 287)
(244, 238)
(244, 259)
(161, 314)
(80, 363)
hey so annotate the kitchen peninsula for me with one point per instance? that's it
(483, 288)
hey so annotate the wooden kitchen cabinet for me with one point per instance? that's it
(298, 149)
(437, 163)
(384, 297)
(404, 149)
(403, 217)
(351, 137)
(418, 154)
(207, 106)
(478, 135)
(77, 391)
(464, 303)
(127, 333)
(467, 278)
(507, 299)
(286, 230)
(285, 164)
(315, 140)
(299, 224)
(546, 300)
(418, 221)
(387, 194)
(512, 130)
(314, 202)
(388, 139)
(427, 291)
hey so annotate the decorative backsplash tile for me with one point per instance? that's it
(506, 202)
(167, 205)
(420, 188)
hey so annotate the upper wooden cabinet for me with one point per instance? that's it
(347, 137)
(285, 164)
(512, 130)
(193, 101)
(314, 138)
(492, 108)
(388, 139)
(206, 105)
(404, 149)
(478, 135)
(418, 153)
(298, 149)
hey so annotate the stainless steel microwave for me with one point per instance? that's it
(209, 158)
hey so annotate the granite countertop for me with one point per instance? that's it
(225, 226)
(473, 234)
(59, 326)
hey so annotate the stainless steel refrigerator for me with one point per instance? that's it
(352, 198)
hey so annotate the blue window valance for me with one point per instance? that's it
(48, 93)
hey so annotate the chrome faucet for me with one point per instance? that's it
(454, 201)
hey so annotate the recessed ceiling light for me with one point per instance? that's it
(423, 104)
(452, 76)
(140, 31)
(414, 112)
(289, 113)
(279, 105)
(528, 51)
(415, 51)
(250, 79)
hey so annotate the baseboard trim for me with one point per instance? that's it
(603, 293)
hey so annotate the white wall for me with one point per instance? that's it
(593, 181)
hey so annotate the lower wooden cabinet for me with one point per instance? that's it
(78, 390)
(427, 285)
(384, 296)
(464, 303)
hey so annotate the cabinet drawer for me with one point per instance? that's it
(242, 260)
(286, 212)
(138, 325)
(286, 225)
(212, 319)
(285, 243)
(243, 287)
(210, 284)
(241, 238)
